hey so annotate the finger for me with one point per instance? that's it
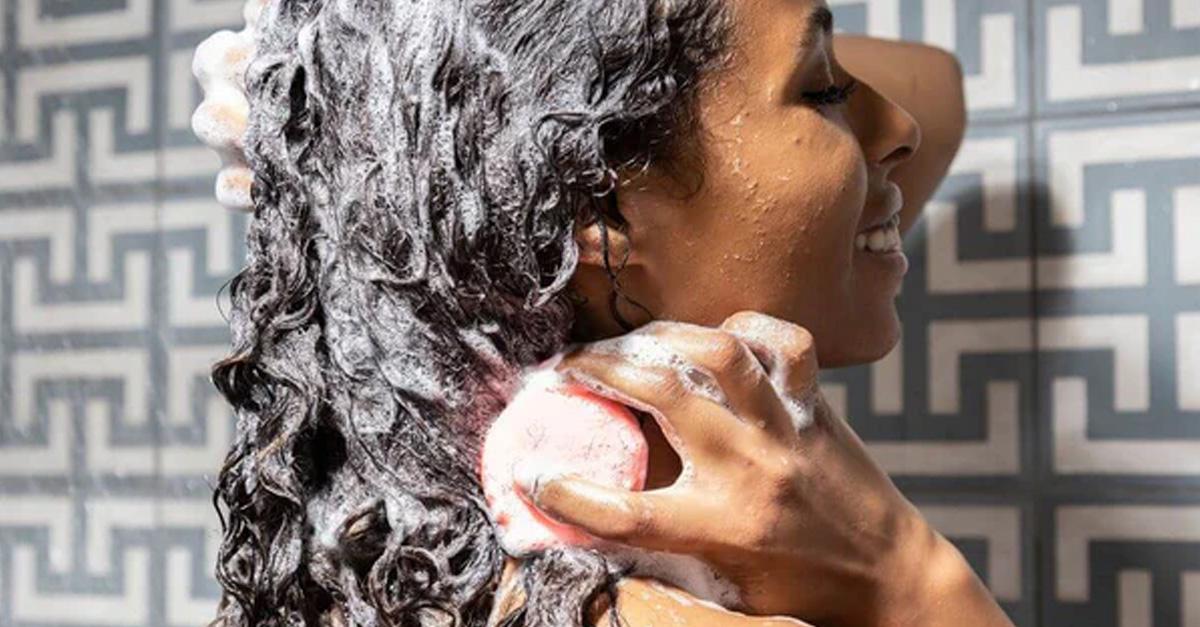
(737, 372)
(690, 422)
(220, 121)
(787, 349)
(233, 187)
(641, 519)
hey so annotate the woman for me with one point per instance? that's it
(447, 192)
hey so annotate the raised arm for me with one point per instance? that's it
(925, 81)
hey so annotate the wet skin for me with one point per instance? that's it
(789, 185)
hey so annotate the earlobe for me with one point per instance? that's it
(591, 238)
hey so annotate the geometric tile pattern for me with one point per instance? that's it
(1048, 380)
(112, 250)
(1042, 408)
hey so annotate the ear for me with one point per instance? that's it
(590, 237)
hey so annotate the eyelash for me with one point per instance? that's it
(833, 95)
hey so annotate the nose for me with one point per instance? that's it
(888, 134)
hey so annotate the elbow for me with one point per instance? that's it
(952, 118)
(956, 95)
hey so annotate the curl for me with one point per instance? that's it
(419, 168)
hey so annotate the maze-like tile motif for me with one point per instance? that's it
(1118, 302)
(1043, 408)
(111, 254)
(1051, 352)
(989, 37)
(1121, 564)
(1115, 54)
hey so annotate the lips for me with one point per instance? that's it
(885, 208)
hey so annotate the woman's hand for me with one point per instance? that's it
(784, 503)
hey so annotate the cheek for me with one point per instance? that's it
(828, 182)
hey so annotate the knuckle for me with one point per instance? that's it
(662, 384)
(799, 339)
(724, 353)
(794, 342)
(623, 529)
(745, 316)
(658, 327)
(781, 477)
(632, 523)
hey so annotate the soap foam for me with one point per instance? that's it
(219, 65)
(799, 404)
(550, 428)
(647, 350)
(520, 535)
(685, 572)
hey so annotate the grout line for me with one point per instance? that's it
(1121, 110)
(1036, 543)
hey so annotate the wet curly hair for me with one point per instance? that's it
(420, 166)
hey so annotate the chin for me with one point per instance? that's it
(865, 343)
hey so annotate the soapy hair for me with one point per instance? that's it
(420, 166)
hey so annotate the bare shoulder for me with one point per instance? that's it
(643, 602)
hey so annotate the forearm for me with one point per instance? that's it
(941, 591)
(644, 602)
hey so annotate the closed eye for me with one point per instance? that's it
(832, 95)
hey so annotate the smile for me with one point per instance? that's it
(884, 238)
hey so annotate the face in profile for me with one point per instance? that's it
(795, 216)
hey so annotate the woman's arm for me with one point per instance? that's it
(943, 590)
(641, 602)
(802, 521)
(952, 596)
(650, 603)
(926, 82)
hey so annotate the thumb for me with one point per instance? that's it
(640, 519)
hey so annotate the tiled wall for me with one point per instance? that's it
(1043, 407)
(112, 251)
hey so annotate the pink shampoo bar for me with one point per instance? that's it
(553, 427)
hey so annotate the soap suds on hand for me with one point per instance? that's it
(553, 427)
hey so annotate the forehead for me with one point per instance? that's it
(798, 22)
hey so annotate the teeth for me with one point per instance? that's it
(877, 240)
(881, 239)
